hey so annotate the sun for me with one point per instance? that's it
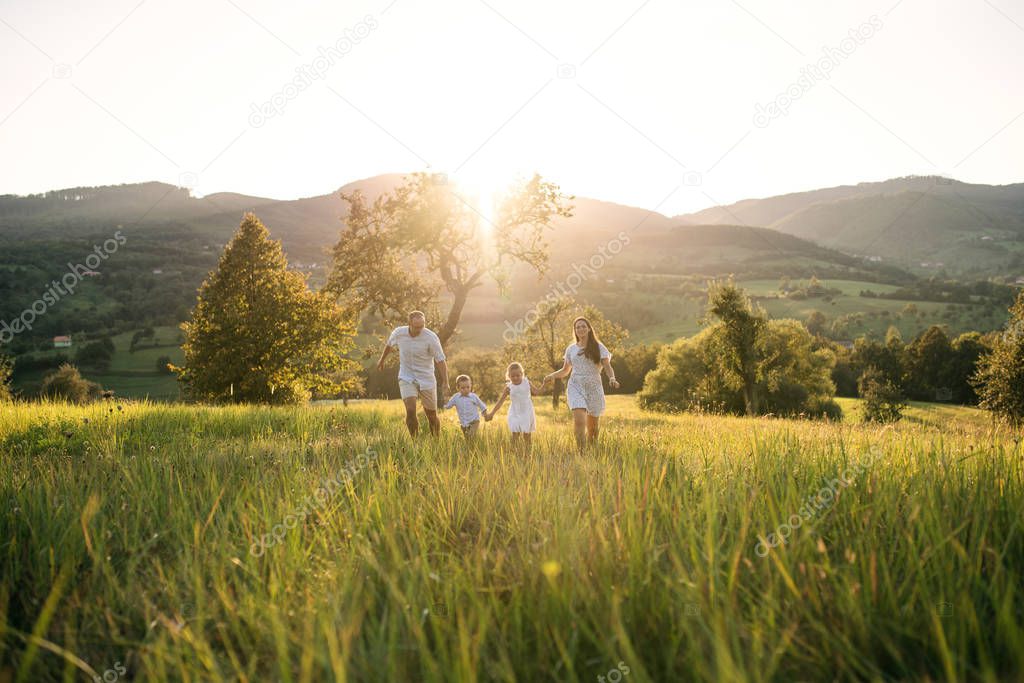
(482, 192)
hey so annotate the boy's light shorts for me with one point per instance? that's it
(427, 396)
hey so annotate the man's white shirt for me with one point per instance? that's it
(416, 355)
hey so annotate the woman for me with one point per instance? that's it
(585, 358)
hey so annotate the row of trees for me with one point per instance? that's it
(746, 363)
(932, 367)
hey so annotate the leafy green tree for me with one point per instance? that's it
(485, 367)
(95, 355)
(929, 365)
(968, 349)
(689, 376)
(816, 323)
(1000, 376)
(883, 400)
(258, 334)
(741, 326)
(792, 378)
(886, 358)
(407, 247)
(632, 365)
(792, 375)
(67, 383)
(544, 337)
(145, 333)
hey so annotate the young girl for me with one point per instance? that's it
(522, 421)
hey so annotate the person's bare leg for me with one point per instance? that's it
(527, 442)
(579, 427)
(435, 424)
(410, 416)
(592, 428)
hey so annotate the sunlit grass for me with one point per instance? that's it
(442, 562)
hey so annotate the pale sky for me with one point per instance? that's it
(650, 104)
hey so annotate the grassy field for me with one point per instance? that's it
(169, 542)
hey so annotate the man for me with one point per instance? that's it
(419, 349)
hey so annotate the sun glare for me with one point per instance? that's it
(482, 192)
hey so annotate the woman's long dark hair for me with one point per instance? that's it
(592, 350)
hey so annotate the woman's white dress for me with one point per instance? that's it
(521, 417)
(584, 388)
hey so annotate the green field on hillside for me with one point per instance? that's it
(187, 543)
(132, 374)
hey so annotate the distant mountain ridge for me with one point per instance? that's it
(917, 222)
(925, 223)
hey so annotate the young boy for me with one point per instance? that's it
(468, 405)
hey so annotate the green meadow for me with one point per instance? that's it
(183, 543)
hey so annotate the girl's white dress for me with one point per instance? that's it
(521, 417)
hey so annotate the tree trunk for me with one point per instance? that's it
(750, 397)
(556, 393)
(458, 303)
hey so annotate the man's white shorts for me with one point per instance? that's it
(426, 395)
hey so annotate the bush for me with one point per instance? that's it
(68, 384)
(883, 400)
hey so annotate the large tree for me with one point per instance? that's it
(258, 334)
(742, 325)
(548, 330)
(425, 239)
(1000, 376)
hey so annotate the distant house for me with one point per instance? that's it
(158, 271)
(845, 343)
(90, 273)
(62, 342)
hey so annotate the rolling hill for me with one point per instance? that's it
(924, 223)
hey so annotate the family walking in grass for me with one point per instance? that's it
(420, 355)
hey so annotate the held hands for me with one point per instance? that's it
(613, 383)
